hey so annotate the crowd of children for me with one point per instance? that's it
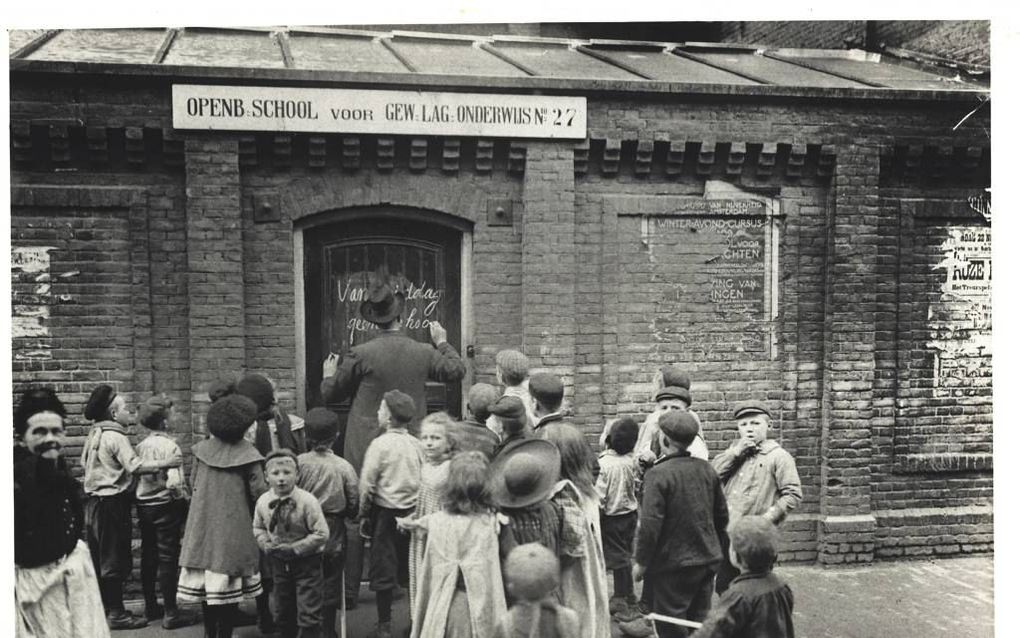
(508, 534)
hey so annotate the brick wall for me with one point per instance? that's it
(188, 285)
(931, 462)
(809, 34)
(71, 292)
(270, 288)
(961, 40)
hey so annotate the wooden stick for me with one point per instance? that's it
(343, 599)
(674, 621)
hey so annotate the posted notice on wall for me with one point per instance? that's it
(969, 261)
(301, 110)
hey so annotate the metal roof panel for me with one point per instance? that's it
(772, 71)
(560, 61)
(225, 48)
(448, 56)
(529, 63)
(873, 70)
(101, 45)
(342, 52)
(660, 65)
(18, 38)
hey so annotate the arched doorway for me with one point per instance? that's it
(420, 253)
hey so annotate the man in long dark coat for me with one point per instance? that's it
(390, 361)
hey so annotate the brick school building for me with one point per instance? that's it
(807, 227)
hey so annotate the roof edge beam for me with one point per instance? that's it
(164, 46)
(502, 55)
(820, 69)
(283, 41)
(721, 67)
(598, 55)
(35, 43)
(387, 43)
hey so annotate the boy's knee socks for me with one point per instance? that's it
(384, 605)
(623, 585)
(111, 590)
(168, 586)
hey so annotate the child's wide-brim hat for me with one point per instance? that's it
(525, 474)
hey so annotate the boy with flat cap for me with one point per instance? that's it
(513, 422)
(672, 392)
(161, 501)
(333, 481)
(390, 480)
(682, 528)
(472, 433)
(512, 369)
(110, 465)
(546, 392)
(758, 476)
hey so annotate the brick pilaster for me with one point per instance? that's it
(548, 259)
(215, 270)
(847, 526)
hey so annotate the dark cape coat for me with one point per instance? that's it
(226, 480)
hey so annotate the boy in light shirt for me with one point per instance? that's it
(162, 505)
(390, 479)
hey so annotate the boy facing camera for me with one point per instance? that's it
(289, 526)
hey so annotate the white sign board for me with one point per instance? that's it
(252, 108)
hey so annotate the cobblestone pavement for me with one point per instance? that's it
(949, 598)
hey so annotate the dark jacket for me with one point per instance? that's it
(472, 435)
(48, 511)
(757, 605)
(551, 421)
(390, 361)
(683, 515)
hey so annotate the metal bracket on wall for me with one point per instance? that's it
(501, 212)
(266, 208)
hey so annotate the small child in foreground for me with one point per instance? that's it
(333, 481)
(461, 588)
(532, 576)
(757, 603)
(290, 528)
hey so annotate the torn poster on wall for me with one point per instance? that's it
(960, 322)
(30, 301)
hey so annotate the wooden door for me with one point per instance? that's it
(420, 260)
